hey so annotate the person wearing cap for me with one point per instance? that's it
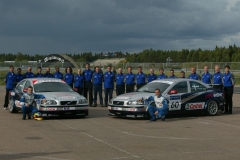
(29, 73)
(58, 74)
(193, 75)
(78, 82)
(27, 101)
(228, 83)
(172, 75)
(161, 75)
(141, 78)
(39, 73)
(48, 74)
(206, 76)
(88, 86)
(19, 75)
(120, 82)
(151, 76)
(97, 86)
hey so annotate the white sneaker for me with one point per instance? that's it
(4, 108)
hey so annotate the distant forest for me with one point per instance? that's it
(219, 54)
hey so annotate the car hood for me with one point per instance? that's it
(133, 96)
(62, 95)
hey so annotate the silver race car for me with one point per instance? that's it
(61, 99)
(182, 95)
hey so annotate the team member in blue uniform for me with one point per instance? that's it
(158, 105)
(109, 79)
(58, 74)
(78, 82)
(48, 74)
(130, 81)
(29, 73)
(120, 82)
(206, 76)
(151, 76)
(88, 86)
(217, 78)
(39, 74)
(182, 74)
(27, 100)
(193, 75)
(19, 75)
(161, 75)
(97, 86)
(69, 77)
(141, 78)
(228, 83)
(172, 76)
(10, 81)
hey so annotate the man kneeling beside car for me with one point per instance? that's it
(158, 105)
(26, 102)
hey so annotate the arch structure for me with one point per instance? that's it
(64, 59)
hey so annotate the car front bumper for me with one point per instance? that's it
(127, 111)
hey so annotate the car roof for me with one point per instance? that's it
(43, 79)
(175, 80)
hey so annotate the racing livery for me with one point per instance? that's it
(60, 98)
(182, 95)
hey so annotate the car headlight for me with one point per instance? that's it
(82, 101)
(110, 102)
(50, 102)
(134, 103)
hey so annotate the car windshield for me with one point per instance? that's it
(150, 87)
(52, 87)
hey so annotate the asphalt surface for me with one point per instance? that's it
(100, 137)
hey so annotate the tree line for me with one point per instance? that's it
(219, 54)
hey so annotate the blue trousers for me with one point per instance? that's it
(97, 89)
(27, 110)
(108, 92)
(161, 111)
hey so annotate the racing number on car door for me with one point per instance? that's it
(175, 102)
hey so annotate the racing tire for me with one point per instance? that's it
(212, 108)
(11, 106)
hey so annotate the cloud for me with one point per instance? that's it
(74, 26)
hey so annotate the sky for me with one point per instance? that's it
(76, 26)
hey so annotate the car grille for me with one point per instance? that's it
(68, 102)
(118, 102)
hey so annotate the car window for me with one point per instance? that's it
(181, 87)
(150, 87)
(27, 84)
(20, 86)
(197, 87)
(52, 87)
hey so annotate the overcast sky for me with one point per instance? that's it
(75, 26)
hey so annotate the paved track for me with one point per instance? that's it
(100, 137)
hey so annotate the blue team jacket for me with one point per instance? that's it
(162, 76)
(108, 80)
(97, 78)
(87, 75)
(39, 75)
(228, 79)
(130, 78)
(193, 76)
(120, 79)
(28, 75)
(206, 78)
(19, 77)
(69, 78)
(10, 80)
(217, 78)
(78, 82)
(48, 75)
(58, 75)
(151, 77)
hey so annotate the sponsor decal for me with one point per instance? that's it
(17, 103)
(51, 109)
(46, 80)
(117, 108)
(213, 95)
(175, 97)
(193, 106)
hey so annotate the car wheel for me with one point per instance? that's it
(212, 108)
(11, 107)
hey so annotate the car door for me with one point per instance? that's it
(175, 98)
(196, 99)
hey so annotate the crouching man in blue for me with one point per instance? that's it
(158, 106)
(27, 100)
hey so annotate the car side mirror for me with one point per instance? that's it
(173, 91)
(25, 90)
